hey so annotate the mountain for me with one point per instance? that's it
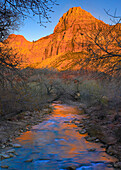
(67, 47)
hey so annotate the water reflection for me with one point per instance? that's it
(56, 144)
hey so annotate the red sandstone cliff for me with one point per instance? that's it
(65, 47)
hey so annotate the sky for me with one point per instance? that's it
(31, 30)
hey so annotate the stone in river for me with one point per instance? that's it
(83, 131)
(117, 165)
(92, 149)
(16, 145)
(29, 160)
(4, 156)
(80, 125)
(97, 140)
(11, 151)
(110, 165)
(5, 166)
(90, 138)
(66, 121)
(3, 146)
(11, 155)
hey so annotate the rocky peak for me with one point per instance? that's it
(66, 47)
(17, 40)
(19, 37)
(73, 16)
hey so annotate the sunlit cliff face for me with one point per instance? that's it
(67, 47)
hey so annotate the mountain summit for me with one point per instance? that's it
(66, 48)
(75, 16)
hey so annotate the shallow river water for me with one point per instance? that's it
(56, 144)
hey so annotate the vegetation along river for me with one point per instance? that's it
(57, 144)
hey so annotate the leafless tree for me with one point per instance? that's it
(105, 43)
(12, 14)
(14, 11)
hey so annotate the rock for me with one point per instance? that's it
(74, 24)
(10, 140)
(5, 166)
(83, 106)
(28, 128)
(80, 125)
(10, 144)
(74, 120)
(4, 156)
(66, 121)
(103, 146)
(3, 146)
(104, 100)
(76, 123)
(111, 150)
(71, 168)
(29, 160)
(77, 95)
(46, 110)
(97, 140)
(109, 165)
(90, 138)
(83, 131)
(11, 155)
(16, 145)
(84, 118)
(11, 151)
(110, 140)
(24, 130)
(92, 149)
(21, 130)
(117, 165)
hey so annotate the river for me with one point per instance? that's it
(56, 144)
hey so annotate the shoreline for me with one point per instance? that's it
(98, 128)
(15, 126)
(103, 128)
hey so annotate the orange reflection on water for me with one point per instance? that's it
(59, 135)
(26, 137)
(65, 111)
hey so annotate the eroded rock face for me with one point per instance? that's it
(63, 49)
(77, 18)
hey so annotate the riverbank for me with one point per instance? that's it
(10, 128)
(104, 124)
(57, 143)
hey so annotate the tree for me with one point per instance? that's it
(8, 21)
(8, 64)
(105, 44)
(105, 49)
(11, 14)
(13, 11)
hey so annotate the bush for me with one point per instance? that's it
(41, 86)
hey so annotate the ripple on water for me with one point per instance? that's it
(56, 144)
